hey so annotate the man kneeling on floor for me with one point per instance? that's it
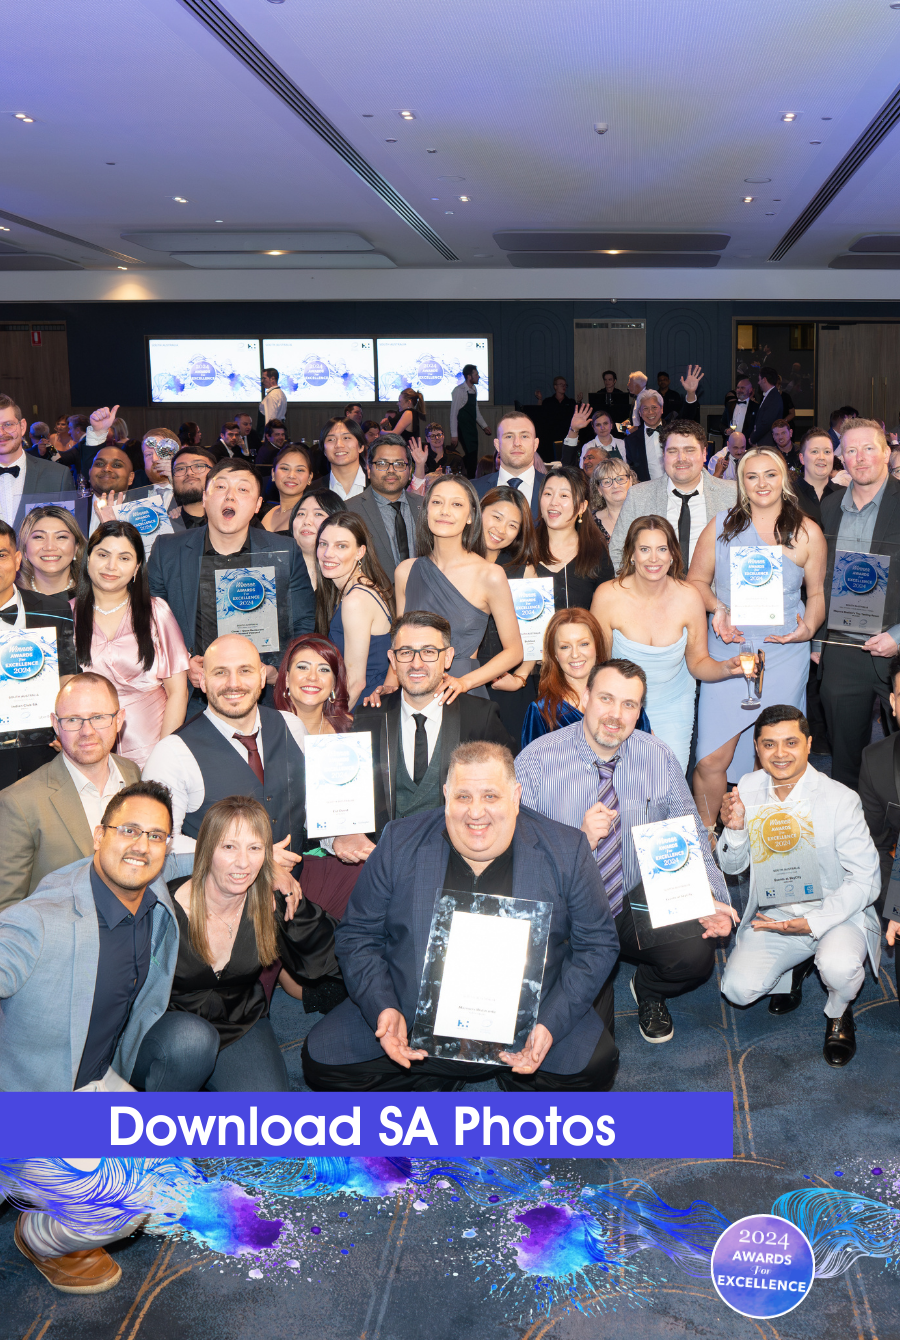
(777, 947)
(480, 842)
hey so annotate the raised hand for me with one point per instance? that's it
(539, 397)
(419, 450)
(105, 504)
(282, 857)
(732, 812)
(581, 417)
(692, 381)
(102, 419)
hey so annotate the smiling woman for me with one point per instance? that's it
(52, 547)
(354, 602)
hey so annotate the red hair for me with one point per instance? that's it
(337, 713)
(553, 688)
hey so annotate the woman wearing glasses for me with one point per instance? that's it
(610, 483)
(291, 475)
(131, 638)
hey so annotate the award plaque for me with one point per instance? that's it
(251, 596)
(674, 882)
(481, 983)
(534, 605)
(783, 853)
(858, 591)
(148, 516)
(340, 792)
(757, 588)
(29, 677)
(73, 502)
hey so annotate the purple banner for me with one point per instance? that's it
(291, 1125)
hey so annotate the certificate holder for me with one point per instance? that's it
(676, 890)
(143, 509)
(534, 605)
(29, 678)
(757, 585)
(251, 596)
(783, 853)
(481, 983)
(340, 793)
(858, 592)
(73, 502)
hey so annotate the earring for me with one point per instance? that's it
(331, 698)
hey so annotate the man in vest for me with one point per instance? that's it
(413, 732)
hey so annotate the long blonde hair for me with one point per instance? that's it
(791, 519)
(238, 811)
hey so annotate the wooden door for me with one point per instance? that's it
(859, 365)
(36, 375)
(620, 345)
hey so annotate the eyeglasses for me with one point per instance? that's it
(99, 721)
(385, 467)
(201, 468)
(427, 654)
(614, 479)
(131, 831)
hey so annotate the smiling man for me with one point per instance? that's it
(480, 842)
(388, 509)
(21, 472)
(517, 444)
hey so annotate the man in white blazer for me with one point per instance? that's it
(687, 494)
(776, 947)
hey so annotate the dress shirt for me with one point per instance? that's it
(434, 716)
(612, 450)
(388, 516)
(273, 404)
(11, 490)
(739, 414)
(559, 779)
(123, 962)
(94, 802)
(495, 879)
(173, 764)
(526, 488)
(730, 469)
(356, 488)
(654, 452)
(458, 398)
(855, 534)
(696, 507)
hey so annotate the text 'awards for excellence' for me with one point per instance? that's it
(340, 792)
(534, 605)
(783, 853)
(858, 591)
(252, 599)
(757, 586)
(675, 883)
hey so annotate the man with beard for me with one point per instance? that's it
(190, 468)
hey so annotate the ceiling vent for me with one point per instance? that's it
(848, 262)
(285, 260)
(245, 239)
(587, 242)
(598, 260)
(883, 243)
(33, 260)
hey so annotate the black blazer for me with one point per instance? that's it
(879, 788)
(884, 541)
(466, 718)
(768, 410)
(365, 506)
(636, 448)
(749, 418)
(616, 402)
(488, 482)
(809, 500)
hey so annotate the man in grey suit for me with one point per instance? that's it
(21, 474)
(389, 511)
(687, 495)
(481, 842)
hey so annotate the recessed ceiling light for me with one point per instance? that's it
(789, 116)
(757, 181)
(218, 220)
(612, 253)
(275, 253)
(390, 141)
(435, 198)
(464, 198)
(367, 116)
(179, 199)
(770, 213)
(2, 229)
(22, 116)
(479, 255)
(748, 199)
(895, 4)
(123, 267)
(448, 211)
(407, 116)
(828, 118)
(27, 120)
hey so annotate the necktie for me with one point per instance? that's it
(684, 525)
(420, 749)
(400, 531)
(608, 854)
(253, 758)
(514, 483)
(10, 470)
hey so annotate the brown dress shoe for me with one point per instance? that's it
(92, 1271)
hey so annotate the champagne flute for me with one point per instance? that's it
(748, 665)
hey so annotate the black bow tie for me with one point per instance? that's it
(10, 470)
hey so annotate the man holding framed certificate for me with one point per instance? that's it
(814, 880)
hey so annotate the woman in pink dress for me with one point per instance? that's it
(131, 638)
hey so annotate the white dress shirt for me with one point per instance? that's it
(356, 488)
(697, 509)
(458, 398)
(433, 714)
(739, 414)
(527, 477)
(730, 469)
(654, 452)
(94, 802)
(11, 490)
(273, 404)
(173, 764)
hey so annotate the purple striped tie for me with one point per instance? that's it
(608, 852)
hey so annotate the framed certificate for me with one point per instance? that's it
(251, 596)
(757, 587)
(340, 791)
(783, 853)
(534, 605)
(148, 516)
(29, 677)
(481, 983)
(73, 502)
(858, 591)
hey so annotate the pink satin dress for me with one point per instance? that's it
(140, 691)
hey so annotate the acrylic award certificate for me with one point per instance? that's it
(79, 505)
(481, 983)
(535, 607)
(340, 791)
(783, 853)
(250, 594)
(858, 590)
(29, 677)
(757, 588)
(676, 885)
(148, 516)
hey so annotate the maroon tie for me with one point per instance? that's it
(253, 758)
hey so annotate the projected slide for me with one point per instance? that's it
(432, 366)
(195, 370)
(310, 370)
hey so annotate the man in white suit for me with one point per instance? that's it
(687, 495)
(775, 948)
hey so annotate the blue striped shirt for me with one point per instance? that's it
(558, 773)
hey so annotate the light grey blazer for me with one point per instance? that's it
(42, 477)
(848, 861)
(651, 499)
(49, 949)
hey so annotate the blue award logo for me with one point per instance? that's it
(762, 1266)
(316, 371)
(22, 659)
(529, 604)
(144, 519)
(669, 852)
(861, 577)
(342, 764)
(757, 568)
(429, 371)
(202, 372)
(246, 594)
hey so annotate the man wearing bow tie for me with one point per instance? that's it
(740, 409)
(644, 447)
(22, 474)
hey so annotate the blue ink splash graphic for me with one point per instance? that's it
(842, 1227)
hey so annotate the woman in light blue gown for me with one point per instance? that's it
(651, 616)
(766, 513)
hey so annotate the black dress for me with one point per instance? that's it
(234, 999)
(511, 706)
(573, 592)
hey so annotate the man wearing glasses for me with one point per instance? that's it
(413, 733)
(190, 466)
(389, 511)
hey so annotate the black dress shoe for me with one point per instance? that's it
(840, 1039)
(785, 1003)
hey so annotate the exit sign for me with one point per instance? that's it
(35, 337)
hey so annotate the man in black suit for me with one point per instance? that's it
(21, 474)
(615, 402)
(230, 442)
(771, 407)
(644, 448)
(389, 511)
(249, 436)
(672, 401)
(865, 518)
(413, 732)
(554, 417)
(879, 789)
(23, 752)
(740, 409)
(232, 496)
(517, 443)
